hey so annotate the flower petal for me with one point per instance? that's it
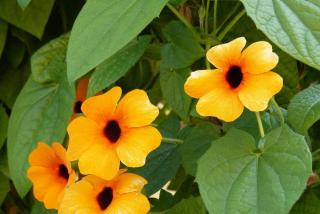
(257, 90)
(201, 82)
(221, 103)
(53, 196)
(136, 143)
(100, 160)
(83, 132)
(129, 182)
(79, 198)
(43, 155)
(224, 55)
(60, 152)
(133, 203)
(258, 58)
(135, 109)
(98, 108)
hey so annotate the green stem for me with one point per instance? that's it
(183, 20)
(260, 124)
(215, 7)
(230, 25)
(315, 152)
(206, 30)
(172, 140)
(277, 107)
(232, 12)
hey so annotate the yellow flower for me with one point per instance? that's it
(242, 78)
(50, 173)
(93, 195)
(112, 131)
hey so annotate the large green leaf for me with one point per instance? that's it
(196, 142)
(4, 187)
(304, 109)
(183, 49)
(3, 35)
(190, 205)
(3, 125)
(41, 113)
(33, 19)
(172, 82)
(104, 27)
(291, 24)
(161, 166)
(23, 3)
(117, 65)
(235, 177)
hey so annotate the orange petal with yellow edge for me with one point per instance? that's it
(99, 108)
(258, 58)
(224, 55)
(83, 133)
(257, 90)
(53, 196)
(60, 152)
(202, 82)
(221, 103)
(136, 143)
(100, 160)
(129, 182)
(133, 203)
(135, 109)
(43, 155)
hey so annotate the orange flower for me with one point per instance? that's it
(81, 94)
(50, 173)
(93, 195)
(242, 78)
(113, 131)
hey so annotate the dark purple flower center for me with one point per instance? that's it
(112, 131)
(105, 197)
(234, 76)
(63, 171)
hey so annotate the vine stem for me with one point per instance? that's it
(183, 20)
(172, 140)
(206, 30)
(215, 6)
(230, 25)
(275, 104)
(232, 12)
(260, 124)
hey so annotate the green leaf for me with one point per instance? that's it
(177, 2)
(41, 113)
(183, 49)
(24, 3)
(169, 126)
(309, 203)
(4, 187)
(15, 52)
(38, 208)
(172, 86)
(115, 24)
(117, 65)
(196, 143)
(4, 162)
(304, 109)
(235, 177)
(33, 19)
(3, 35)
(161, 166)
(3, 125)
(291, 24)
(190, 205)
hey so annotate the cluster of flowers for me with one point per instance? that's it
(111, 131)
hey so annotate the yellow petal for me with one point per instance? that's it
(133, 203)
(258, 58)
(201, 82)
(43, 155)
(83, 132)
(100, 160)
(257, 90)
(224, 55)
(136, 143)
(99, 108)
(79, 198)
(129, 182)
(135, 109)
(221, 103)
(60, 152)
